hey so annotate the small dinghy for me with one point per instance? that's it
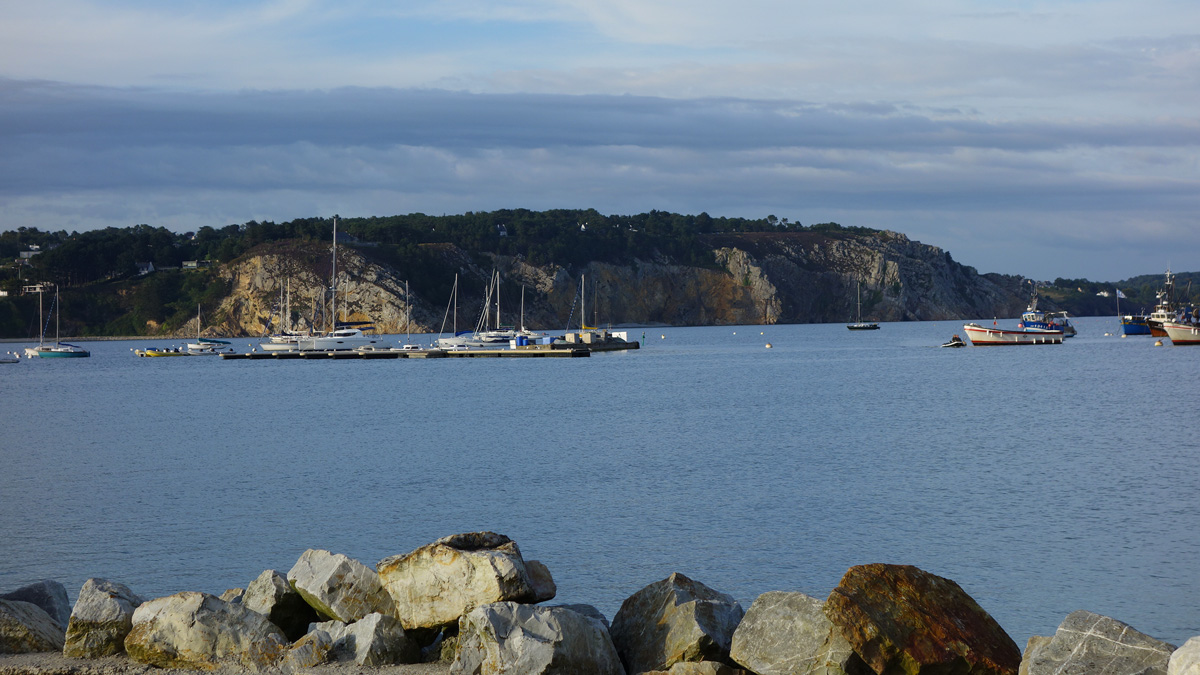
(955, 341)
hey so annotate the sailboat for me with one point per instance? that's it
(341, 336)
(859, 325)
(204, 346)
(59, 349)
(408, 345)
(286, 340)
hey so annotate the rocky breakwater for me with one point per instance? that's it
(471, 604)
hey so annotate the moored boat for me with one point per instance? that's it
(955, 341)
(58, 350)
(1164, 307)
(859, 324)
(1135, 324)
(982, 336)
(1037, 320)
(1182, 333)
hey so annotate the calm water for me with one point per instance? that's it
(1043, 479)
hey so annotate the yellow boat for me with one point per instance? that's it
(160, 352)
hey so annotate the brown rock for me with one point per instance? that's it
(905, 621)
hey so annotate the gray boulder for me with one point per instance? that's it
(588, 611)
(540, 581)
(788, 634)
(374, 640)
(674, 620)
(47, 594)
(700, 668)
(1186, 659)
(309, 651)
(438, 583)
(272, 596)
(338, 587)
(200, 631)
(232, 594)
(102, 617)
(1091, 644)
(508, 637)
(26, 628)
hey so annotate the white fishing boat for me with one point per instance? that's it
(1182, 333)
(60, 350)
(982, 336)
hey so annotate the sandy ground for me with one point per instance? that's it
(53, 663)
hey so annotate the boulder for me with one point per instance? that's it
(509, 637)
(699, 668)
(26, 628)
(374, 640)
(588, 611)
(309, 651)
(233, 594)
(438, 583)
(272, 596)
(1087, 643)
(540, 581)
(1186, 659)
(48, 594)
(200, 631)
(102, 617)
(674, 620)
(902, 620)
(788, 634)
(338, 587)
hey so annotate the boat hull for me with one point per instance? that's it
(1135, 325)
(64, 352)
(1182, 333)
(981, 336)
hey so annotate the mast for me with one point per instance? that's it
(333, 281)
(497, 273)
(407, 313)
(57, 314)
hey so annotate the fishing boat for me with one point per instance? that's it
(859, 324)
(1037, 320)
(1182, 333)
(60, 350)
(982, 336)
(1135, 324)
(205, 346)
(1164, 307)
(343, 335)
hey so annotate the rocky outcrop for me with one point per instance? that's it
(903, 620)
(48, 594)
(374, 640)
(676, 619)
(27, 628)
(338, 587)
(788, 634)
(438, 583)
(508, 637)
(201, 631)
(272, 596)
(700, 668)
(1091, 644)
(309, 651)
(101, 619)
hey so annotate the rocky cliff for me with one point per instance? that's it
(795, 277)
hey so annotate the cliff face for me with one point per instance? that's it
(804, 277)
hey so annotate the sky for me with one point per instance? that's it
(1047, 139)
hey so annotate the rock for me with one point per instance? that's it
(702, 668)
(1186, 659)
(201, 631)
(374, 640)
(48, 594)
(309, 651)
(438, 583)
(272, 596)
(540, 581)
(233, 594)
(337, 587)
(674, 620)
(509, 637)
(26, 628)
(1087, 643)
(903, 620)
(788, 634)
(588, 611)
(102, 617)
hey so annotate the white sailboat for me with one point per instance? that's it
(408, 346)
(859, 324)
(58, 349)
(340, 337)
(205, 346)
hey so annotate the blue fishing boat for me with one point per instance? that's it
(1036, 320)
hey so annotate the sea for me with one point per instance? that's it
(1041, 479)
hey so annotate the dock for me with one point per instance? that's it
(410, 354)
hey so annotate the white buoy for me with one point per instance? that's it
(664, 337)
(1124, 336)
(760, 332)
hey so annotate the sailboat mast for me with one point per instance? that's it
(407, 313)
(57, 315)
(333, 281)
(497, 299)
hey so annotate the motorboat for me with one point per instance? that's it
(155, 352)
(10, 357)
(955, 341)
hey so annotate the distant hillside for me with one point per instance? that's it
(653, 268)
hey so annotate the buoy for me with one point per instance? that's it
(735, 332)
(1124, 336)
(664, 337)
(1158, 343)
(760, 332)
(768, 345)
